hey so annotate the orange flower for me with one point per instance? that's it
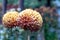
(30, 20)
(9, 19)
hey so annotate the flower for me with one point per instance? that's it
(9, 19)
(30, 20)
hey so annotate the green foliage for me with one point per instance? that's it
(13, 2)
(16, 34)
(47, 25)
(49, 35)
(34, 3)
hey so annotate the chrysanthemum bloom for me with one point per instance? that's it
(30, 20)
(9, 19)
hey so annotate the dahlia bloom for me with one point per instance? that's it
(9, 19)
(30, 20)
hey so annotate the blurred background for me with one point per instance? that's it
(49, 9)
